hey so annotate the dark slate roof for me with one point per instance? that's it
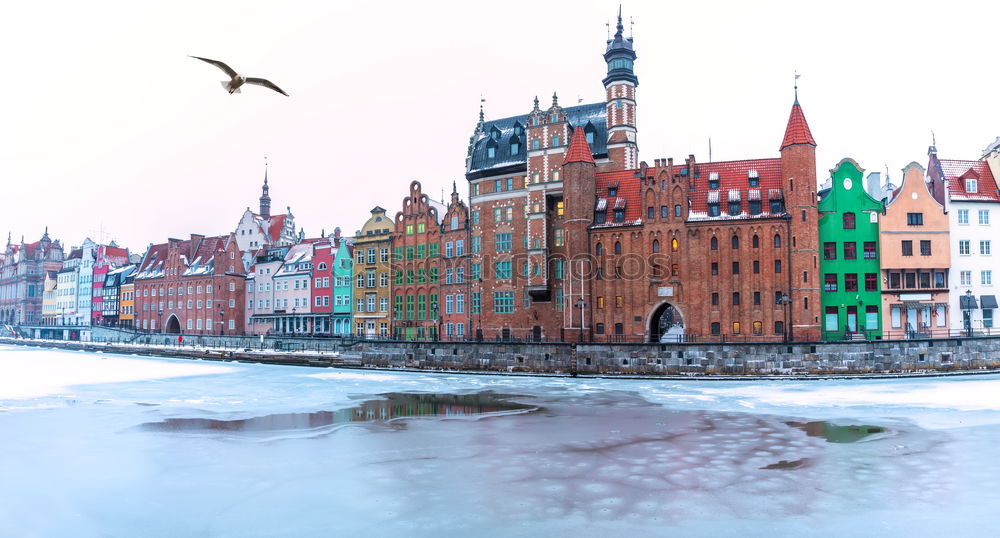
(480, 165)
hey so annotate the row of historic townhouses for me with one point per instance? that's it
(50, 307)
(126, 297)
(343, 284)
(260, 291)
(111, 308)
(292, 296)
(915, 260)
(372, 288)
(456, 282)
(849, 265)
(24, 268)
(969, 188)
(66, 287)
(108, 258)
(193, 286)
(262, 229)
(416, 269)
(321, 295)
(85, 282)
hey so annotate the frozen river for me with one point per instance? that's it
(110, 445)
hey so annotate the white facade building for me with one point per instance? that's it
(258, 230)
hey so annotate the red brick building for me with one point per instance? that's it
(577, 239)
(193, 286)
(457, 279)
(416, 266)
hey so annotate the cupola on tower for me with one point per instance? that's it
(620, 85)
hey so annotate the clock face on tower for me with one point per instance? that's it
(848, 184)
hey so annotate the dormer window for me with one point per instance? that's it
(753, 179)
(612, 190)
(590, 137)
(534, 121)
(518, 129)
(971, 185)
(515, 146)
(554, 118)
(495, 134)
(713, 180)
(619, 215)
(491, 152)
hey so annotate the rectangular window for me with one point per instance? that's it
(871, 281)
(421, 251)
(830, 282)
(503, 302)
(460, 275)
(984, 247)
(915, 219)
(509, 213)
(448, 276)
(449, 304)
(870, 250)
(986, 278)
(850, 250)
(421, 276)
(384, 255)
(409, 252)
(503, 270)
(477, 302)
(460, 247)
(850, 282)
(557, 269)
(619, 301)
(497, 214)
(558, 234)
(475, 217)
(736, 298)
(964, 247)
(777, 266)
(829, 251)
(965, 278)
(907, 247)
(925, 248)
(963, 216)
(987, 317)
(503, 242)
(984, 217)
(736, 268)
(715, 268)
(460, 303)
(910, 279)
(476, 271)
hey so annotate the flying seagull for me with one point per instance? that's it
(237, 80)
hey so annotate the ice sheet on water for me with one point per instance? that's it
(599, 458)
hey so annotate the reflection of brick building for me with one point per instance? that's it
(456, 277)
(572, 232)
(193, 286)
(416, 266)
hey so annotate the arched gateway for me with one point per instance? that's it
(173, 325)
(666, 324)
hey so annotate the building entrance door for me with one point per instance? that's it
(370, 329)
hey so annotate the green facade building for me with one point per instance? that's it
(849, 257)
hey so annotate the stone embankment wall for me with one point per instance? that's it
(709, 359)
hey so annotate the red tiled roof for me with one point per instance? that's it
(797, 131)
(955, 172)
(274, 227)
(629, 193)
(579, 149)
(733, 176)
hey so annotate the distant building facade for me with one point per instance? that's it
(372, 266)
(24, 268)
(415, 268)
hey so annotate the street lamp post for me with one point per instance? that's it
(783, 301)
(160, 322)
(968, 313)
(437, 321)
(222, 322)
(581, 304)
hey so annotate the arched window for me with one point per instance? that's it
(777, 240)
(736, 242)
(674, 244)
(849, 221)
(321, 266)
(756, 241)
(714, 244)
(618, 247)
(656, 245)
(599, 250)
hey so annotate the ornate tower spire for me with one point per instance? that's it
(265, 199)
(621, 84)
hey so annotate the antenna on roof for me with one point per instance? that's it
(797, 75)
(631, 23)
(933, 139)
(608, 24)
(709, 149)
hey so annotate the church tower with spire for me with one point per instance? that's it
(798, 177)
(265, 199)
(620, 85)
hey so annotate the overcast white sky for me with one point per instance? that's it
(106, 121)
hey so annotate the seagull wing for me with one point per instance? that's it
(266, 83)
(228, 70)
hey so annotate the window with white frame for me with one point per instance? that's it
(971, 185)
(964, 247)
(963, 216)
(984, 217)
(383, 304)
(984, 247)
(986, 278)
